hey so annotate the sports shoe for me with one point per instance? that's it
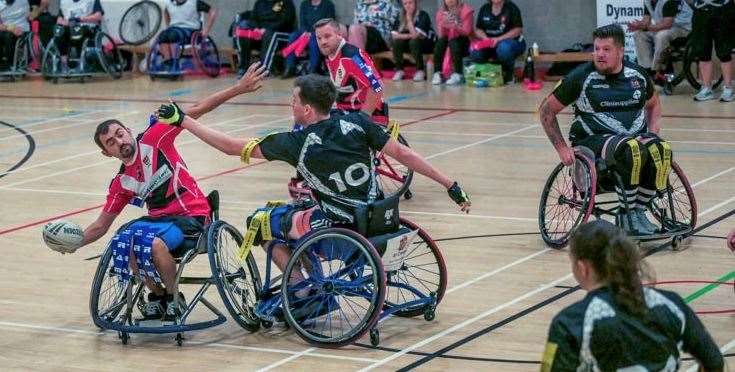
(642, 221)
(727, 95)
(454, 79)
(420, 75)
(704, 94)
(398, 76)
(631, 227)
(437, 78)
(154, 308)
(175, 307)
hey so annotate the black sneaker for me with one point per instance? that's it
(154, 308)
(175, 308)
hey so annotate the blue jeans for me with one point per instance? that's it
(505, 53)
(315, 56)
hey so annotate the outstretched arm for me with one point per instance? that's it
(250, 82)
(98, 228)
(406, 156)
(221, 141)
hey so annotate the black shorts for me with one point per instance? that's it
(178, 35)
(375, 42)
(713, 25)
(595, 142)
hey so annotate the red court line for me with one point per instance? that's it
(274, 104)
(228, 171)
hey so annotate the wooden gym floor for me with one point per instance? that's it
(502, 292)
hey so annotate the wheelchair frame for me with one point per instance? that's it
(119, 316)
(21, 58)
(51, 60)
(274, 303)
(201, 60)
(682, 54)
(584, 201)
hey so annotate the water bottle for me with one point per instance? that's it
(534, 49)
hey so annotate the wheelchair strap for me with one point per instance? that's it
(141, 240)
(635, 172)
(260, 222)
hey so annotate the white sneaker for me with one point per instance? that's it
(454, 79)
(398, 76)
(727, 95)
(704, 94)
(437, 79)
(419, 76)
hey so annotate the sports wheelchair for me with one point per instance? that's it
(352, 280)
(113, 303)
(682, 64)
(573, 193)
(198, 54)
(22, 56)
(394, 177)
(91, 52)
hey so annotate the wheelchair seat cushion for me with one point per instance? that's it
(180, 233)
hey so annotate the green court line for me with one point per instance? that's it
(702, 291)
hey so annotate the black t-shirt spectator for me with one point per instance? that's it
(422, 24)
(202, 7)
(671, 8)
(277, 15)
(496, 25)
(310, 14)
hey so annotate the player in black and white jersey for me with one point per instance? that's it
(334, 154)
(620, 325)
(617, 115)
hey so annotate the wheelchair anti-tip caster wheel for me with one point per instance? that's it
(429, 314)
(124, 337)
(676, 242)
(374, 337)
(179, 339)
(267, 324)
(408, 195)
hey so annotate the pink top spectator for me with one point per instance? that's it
(453, 25)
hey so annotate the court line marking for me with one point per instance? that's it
(718, 174)
(96, 151)
(76, 124)
(195, 140)
(284, 361)
(72, 116)
(467, 322)
(46, 329)
(725, 348)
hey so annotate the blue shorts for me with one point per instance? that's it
(171, 234)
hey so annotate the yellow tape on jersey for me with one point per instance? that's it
(547, 361)
(394, 129)
(635, 172)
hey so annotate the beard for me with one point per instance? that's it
(127, 150)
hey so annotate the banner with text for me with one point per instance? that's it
(622, 12)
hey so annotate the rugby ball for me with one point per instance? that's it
(63, 236)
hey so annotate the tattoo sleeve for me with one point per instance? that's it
(551, 124)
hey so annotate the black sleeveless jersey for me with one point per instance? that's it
(606, 104)
(336, 158)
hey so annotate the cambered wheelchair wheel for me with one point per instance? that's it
(567, 200)
(51, 62)
(692, 71)
(343, 292)
(108, 297)
(676, 206)
(109, 55)
(206, 55)
(394, 177)
(140, 22)
(423, 270)
(21, 57)
(237, 286)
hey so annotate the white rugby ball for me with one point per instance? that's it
(63, 236)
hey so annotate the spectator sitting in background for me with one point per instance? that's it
(453, 27)
(182, 18)
(663, 21)
(414, 34)
(267, 17)
(13, 23)
(501, 22)
(374, 20)
(310, 11)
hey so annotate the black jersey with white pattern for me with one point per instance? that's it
(336, 158)
(606, 104)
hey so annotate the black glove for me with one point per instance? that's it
(171, 114)
(457, 194)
